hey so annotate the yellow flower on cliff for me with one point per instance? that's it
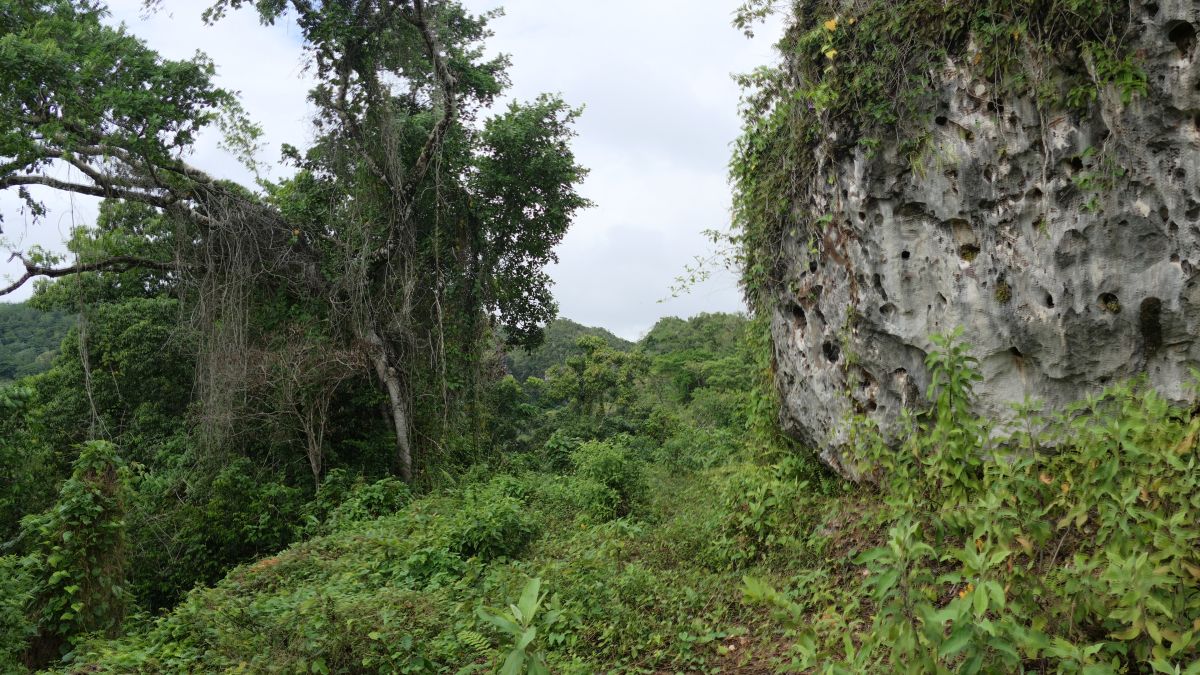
(831, 24)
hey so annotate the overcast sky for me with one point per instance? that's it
(660, 114)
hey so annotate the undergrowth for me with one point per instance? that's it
(1064, 541)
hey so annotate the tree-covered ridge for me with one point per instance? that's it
(29, 339)
(560, 341)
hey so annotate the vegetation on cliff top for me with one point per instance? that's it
(858, 74)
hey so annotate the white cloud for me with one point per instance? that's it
(654, 75)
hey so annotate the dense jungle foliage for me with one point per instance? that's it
(311, 428)
(29, 339)
(560, 339)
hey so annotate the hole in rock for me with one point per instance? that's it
(1151, 9)
(1049, 301)
(1183, 34)
(1173, 227)
(1150, 322)
(904, 255)
(832, 352)
(1163, 213)
(799, 320)
(812, 266)
(887, 309)
(940, 120)
(1016, 353)
(1077, 164)
(968, 252)
(1110, 303)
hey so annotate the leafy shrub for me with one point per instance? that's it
(573, 496)
(766, 509)
(520, 623)
(367, 501)
(614, 467)
(716, 408)
(698, 448)
(80, 547)
(16, 592)
(557, 450)
(490, 525)
(1082, 558)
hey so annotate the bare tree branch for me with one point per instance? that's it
(120, 263)
(98, 190)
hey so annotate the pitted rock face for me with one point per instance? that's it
(1067, 246)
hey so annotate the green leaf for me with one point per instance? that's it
(514, 663)
(528, 604)
(958, 640)
(527, 637)
(500, 622)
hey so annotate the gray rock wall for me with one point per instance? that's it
(1066, 245)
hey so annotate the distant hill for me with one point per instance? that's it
(29, 339)
(561, 335)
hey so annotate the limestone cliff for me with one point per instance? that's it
(1063, 236)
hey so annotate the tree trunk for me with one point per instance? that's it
(396, 402)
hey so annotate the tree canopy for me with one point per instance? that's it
(416, 224)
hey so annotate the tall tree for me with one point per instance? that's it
(411, 228)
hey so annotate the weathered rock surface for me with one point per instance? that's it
(1066, 245)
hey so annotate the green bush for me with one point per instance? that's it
(696, 448)
(766, 509)
(614, 467)
(367, 501)
(81, 552)
(490, 525)
(573, 496)
(16, 592)
(1073, 545)
(558, 449)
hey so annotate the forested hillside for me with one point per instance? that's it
(29, 339)
(560, 342)
(332, 423)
